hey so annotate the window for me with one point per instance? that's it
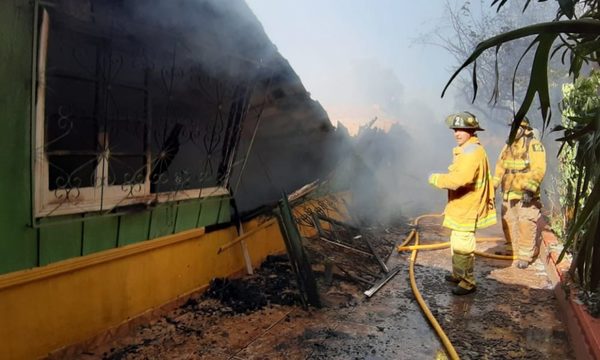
(128, 114)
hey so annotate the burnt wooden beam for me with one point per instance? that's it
(377, 258)
(358, 251)
(354, 277)
(293, 242)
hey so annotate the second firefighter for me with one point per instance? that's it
(520, 170)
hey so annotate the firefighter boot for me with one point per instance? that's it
(451, 278)
(459, 290)
(463, 265)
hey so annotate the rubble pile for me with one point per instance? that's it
(272, 283)
(355, 254)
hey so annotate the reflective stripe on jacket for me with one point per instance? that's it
(470, 191)
(520, 167)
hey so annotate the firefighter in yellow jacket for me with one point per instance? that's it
(470, 198)
(520, 170)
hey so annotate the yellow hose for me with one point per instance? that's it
(413, 284)
(446, 244)
(425, 247)
(408, 238)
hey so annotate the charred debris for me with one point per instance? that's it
(337, 246)
(329, 261)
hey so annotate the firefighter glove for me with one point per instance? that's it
(527, 198)
(432, 179)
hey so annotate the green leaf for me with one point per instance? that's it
(574, 135)
(538, 83)
(592, 202)
(580, 26)
(567, 7)
(474, 78)
(496, 91)
(500, 5)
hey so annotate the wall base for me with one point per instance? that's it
(94, 296)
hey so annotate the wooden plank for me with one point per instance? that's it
(134, 228)
(187, 215)
(384, 268)
(60, 242)
(246, 235)
(298, 258)
(163, 221)
(209, 214)
(358, 251)
(100, 234)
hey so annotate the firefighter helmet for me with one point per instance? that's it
(524, 123)
(463, 120)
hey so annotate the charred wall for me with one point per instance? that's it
(199, 79)
(166, 91)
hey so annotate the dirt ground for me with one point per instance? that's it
(512, 315)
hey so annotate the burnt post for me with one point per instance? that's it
(300, 264)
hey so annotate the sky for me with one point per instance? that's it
(362, 59)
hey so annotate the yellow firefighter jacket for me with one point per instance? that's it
(470, 191)
(521, 167)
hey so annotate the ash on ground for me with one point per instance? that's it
(272, 283)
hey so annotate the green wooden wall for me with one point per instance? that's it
(72, 236)
(18, 241)
(24, 246)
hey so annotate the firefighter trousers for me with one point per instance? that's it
(462, 245)
(519, 224)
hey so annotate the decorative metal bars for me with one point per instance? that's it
(127, 115)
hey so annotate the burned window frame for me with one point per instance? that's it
(69, 198)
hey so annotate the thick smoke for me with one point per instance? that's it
(393, 143)
(288, 139)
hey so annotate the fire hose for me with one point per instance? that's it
(413, 284)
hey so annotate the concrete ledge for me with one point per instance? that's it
(583, 329)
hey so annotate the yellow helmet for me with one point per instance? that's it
(524, 123)
(463, 120)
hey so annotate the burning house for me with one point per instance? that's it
(128, 121)
(156, 151)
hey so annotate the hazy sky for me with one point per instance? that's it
(362, 59)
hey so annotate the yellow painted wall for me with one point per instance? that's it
(258, 247)
(64, 303)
